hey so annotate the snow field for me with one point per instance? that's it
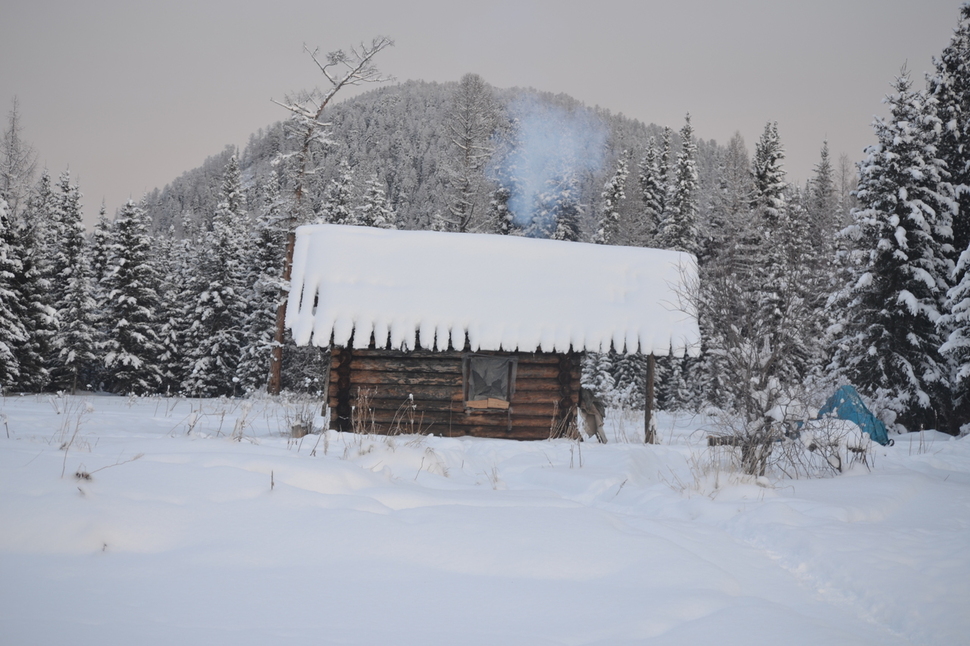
(347, 539)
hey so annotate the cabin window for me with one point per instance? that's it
(489, 381)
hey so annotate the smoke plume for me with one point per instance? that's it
(551, 146)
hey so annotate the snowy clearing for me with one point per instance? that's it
(225, 531)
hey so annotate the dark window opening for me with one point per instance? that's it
(489, 381)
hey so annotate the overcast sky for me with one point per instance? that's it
(130, 94)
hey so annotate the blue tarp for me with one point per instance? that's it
(846, 404)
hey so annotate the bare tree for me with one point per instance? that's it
(471, 125)
(17, 163)
(341, 68)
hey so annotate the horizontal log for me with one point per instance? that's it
(425, 394)
(361, 377)
(459, 430)
(395, 405)
(452, 366)
(536, 397)
(402, 392)
(523, 357)
(474, 418)
(536, 384)
(408, 365)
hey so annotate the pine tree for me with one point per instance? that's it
(888, 342)
(100, 246)
(214, 339)
(33, 284)
(678, 230)
(653, 187)
(597, 376)
(175, 260)
(500, 219)
(132, 346)
(263, 279)
(608, 230)
(12, 331)
(74, 342)
(949, 88)
(823, 204)
(373, 210)
(629, 377)
(565, 210)
(338, 204)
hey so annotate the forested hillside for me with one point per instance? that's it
(404, 135)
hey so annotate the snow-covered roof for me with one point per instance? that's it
(504, 292)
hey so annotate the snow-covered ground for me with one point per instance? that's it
(228, 532)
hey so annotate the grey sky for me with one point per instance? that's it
(131, 94)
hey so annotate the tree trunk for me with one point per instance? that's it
(276, 358)
(649, 422)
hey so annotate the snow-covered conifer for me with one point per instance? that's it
(887, 343)
(373, 210)
(652, 191)
(33, 284)
(132, 346)
(12, 331)
(263, 279)
(338, 203)
(214, 339)
(74, 342)
(608, 229)
(678, 229)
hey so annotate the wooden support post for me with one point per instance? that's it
(649, 422)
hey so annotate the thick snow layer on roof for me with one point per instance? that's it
(504, 292)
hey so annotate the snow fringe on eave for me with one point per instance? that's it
(503, 293)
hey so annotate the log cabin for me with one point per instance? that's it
(476, 334)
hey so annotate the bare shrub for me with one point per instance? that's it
(299, 411)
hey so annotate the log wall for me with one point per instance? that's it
(422, 392)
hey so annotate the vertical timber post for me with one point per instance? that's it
(275, 382)
(649, 422)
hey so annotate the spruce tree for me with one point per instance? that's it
(888, 343)
(652, 190)
(132, 345)
(608, 229)
(12, 331)
(373, 210)
(678, 229)
(949, 88)
(214, 340)
(74, 342)
(33, 284)
(338, 203)
(175, 261)
(263, 279)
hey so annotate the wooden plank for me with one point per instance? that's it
(487, 404)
